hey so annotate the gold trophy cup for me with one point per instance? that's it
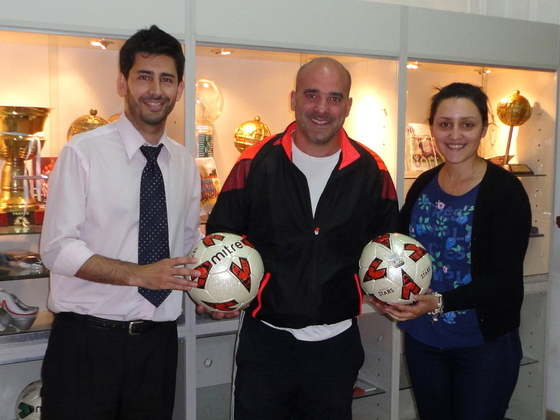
(21, 137)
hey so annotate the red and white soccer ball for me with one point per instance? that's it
(394, 268)
(231, 271)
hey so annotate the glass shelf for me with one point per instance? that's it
(365, 388)
(20, 230)
(528, 361)
(24, 273)
(529, 175)
(39, 330)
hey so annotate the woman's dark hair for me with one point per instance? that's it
(151, 41)
(461, 90)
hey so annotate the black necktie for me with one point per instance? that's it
(153, 235)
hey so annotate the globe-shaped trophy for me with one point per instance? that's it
(249, 133)
(514, 110)
(209, 104)
(21, 139)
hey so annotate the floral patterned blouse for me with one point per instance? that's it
(443, 224)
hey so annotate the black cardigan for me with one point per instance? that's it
(501, 227)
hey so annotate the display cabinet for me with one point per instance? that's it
(374, 80)
(21, 353)
(270, 40)
(532, 144)
(259, 83)
(68, 76)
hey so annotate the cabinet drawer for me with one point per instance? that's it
(214, 360)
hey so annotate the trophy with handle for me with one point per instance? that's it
(21, 139)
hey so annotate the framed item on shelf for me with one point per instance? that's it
(210, 186)
(421, 151)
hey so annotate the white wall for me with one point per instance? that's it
(547, 11)
(122, 17)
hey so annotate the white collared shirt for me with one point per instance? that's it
(93, 208)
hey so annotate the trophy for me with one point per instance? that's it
(85, 123)
(514, 111)
(249, 133)
(209, 105)
(21, 139)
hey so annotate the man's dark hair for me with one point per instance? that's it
(151, 41)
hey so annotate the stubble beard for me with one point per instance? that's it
(136, 108)
(318, 135)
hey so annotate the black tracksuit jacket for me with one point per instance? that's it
(311, 260)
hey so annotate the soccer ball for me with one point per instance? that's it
(231, 271)
(394, 268)
(28, 404)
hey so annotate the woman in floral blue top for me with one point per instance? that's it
(462, 341)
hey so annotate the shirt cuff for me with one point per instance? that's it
(71, 258)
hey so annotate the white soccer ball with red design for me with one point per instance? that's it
(231, 271)
(394, 268)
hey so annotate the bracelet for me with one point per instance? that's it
(439, 310)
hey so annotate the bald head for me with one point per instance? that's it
(321, 103)
(325, 65)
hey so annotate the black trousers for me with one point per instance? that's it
(92, 372)
(281, 378)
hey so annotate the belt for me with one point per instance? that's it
(135, 327)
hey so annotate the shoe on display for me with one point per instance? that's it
(16, 313)
(5, 319)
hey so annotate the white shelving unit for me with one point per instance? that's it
(375, 41)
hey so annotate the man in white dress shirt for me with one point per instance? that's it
(112, 354)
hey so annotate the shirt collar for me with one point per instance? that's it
(132, 139)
